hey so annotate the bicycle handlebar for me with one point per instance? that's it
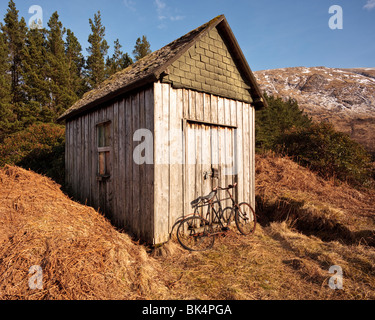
(208, 198)
(228, 188)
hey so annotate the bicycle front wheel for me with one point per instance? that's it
(227, 216)
(245, 219)
(195, 234)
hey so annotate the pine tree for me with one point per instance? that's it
(118, 61)
(142, 48)
(76, 63)
(62, 93)
(125, 61)
(15, 33)
(97, 51)
(7, 117)
(35, 78)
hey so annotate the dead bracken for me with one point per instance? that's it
(82, 256)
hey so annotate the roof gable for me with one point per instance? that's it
(155, 67)
(209, 66)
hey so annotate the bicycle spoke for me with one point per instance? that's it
(195, 234)
(245, 219)
(227, 216)
(198, 234)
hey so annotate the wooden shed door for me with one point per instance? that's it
(208, 147)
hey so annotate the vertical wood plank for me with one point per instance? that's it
(214, 109)
(102, 188)
(191, 161)
(192, 104)
(90, 158)
(142, 187)
(246, 139)
(221, 156)
(162, 161)
(207, 107)
(233, 110)
(199, 100)
(198, 164)
(68, 153)
(228, 159)
(86, 176)
(227, 112)
(158, 114)
(136, 169)
(72, 163)
(73, 153)
(240, 177)
(128, 164)
(185, 94)
(95, 159)
(175, 167)
(121, 165)
(82, 160)
(220, 110)
(77, 158)
(109, 186)
(252, 155)
(114, 186)
(206, 159)
(149, 201)
(180, 151)
(164, 226)
(215, 152)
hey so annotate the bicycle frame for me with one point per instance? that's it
(203, 226)
(210, 207)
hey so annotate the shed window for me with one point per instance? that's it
(104, 149)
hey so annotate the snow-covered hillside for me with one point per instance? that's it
(345, 97)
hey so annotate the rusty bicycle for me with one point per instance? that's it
(197, 231)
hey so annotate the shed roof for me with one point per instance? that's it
(152, 67)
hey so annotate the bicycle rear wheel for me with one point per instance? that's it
(245, 219)
(195, 234)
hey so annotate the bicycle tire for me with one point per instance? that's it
(245, 218)
(227, 215)
(195, 234)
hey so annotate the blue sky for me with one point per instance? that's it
(272, 33)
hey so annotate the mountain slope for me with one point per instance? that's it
(344, 97)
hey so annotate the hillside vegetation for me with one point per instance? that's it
(307, 225)
(343, 97)
(81, 254)
(284, 128)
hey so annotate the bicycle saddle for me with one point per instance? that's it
(206, 198)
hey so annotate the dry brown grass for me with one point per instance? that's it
(82, 256)
(295, 193)
(279, 261)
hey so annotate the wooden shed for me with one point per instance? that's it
(144, 143)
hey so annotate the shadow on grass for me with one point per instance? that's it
(309, 222)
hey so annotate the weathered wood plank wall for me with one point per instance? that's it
(192, 132)
(127, 196)
(181, 160)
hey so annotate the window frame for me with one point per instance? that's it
(107, 149)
